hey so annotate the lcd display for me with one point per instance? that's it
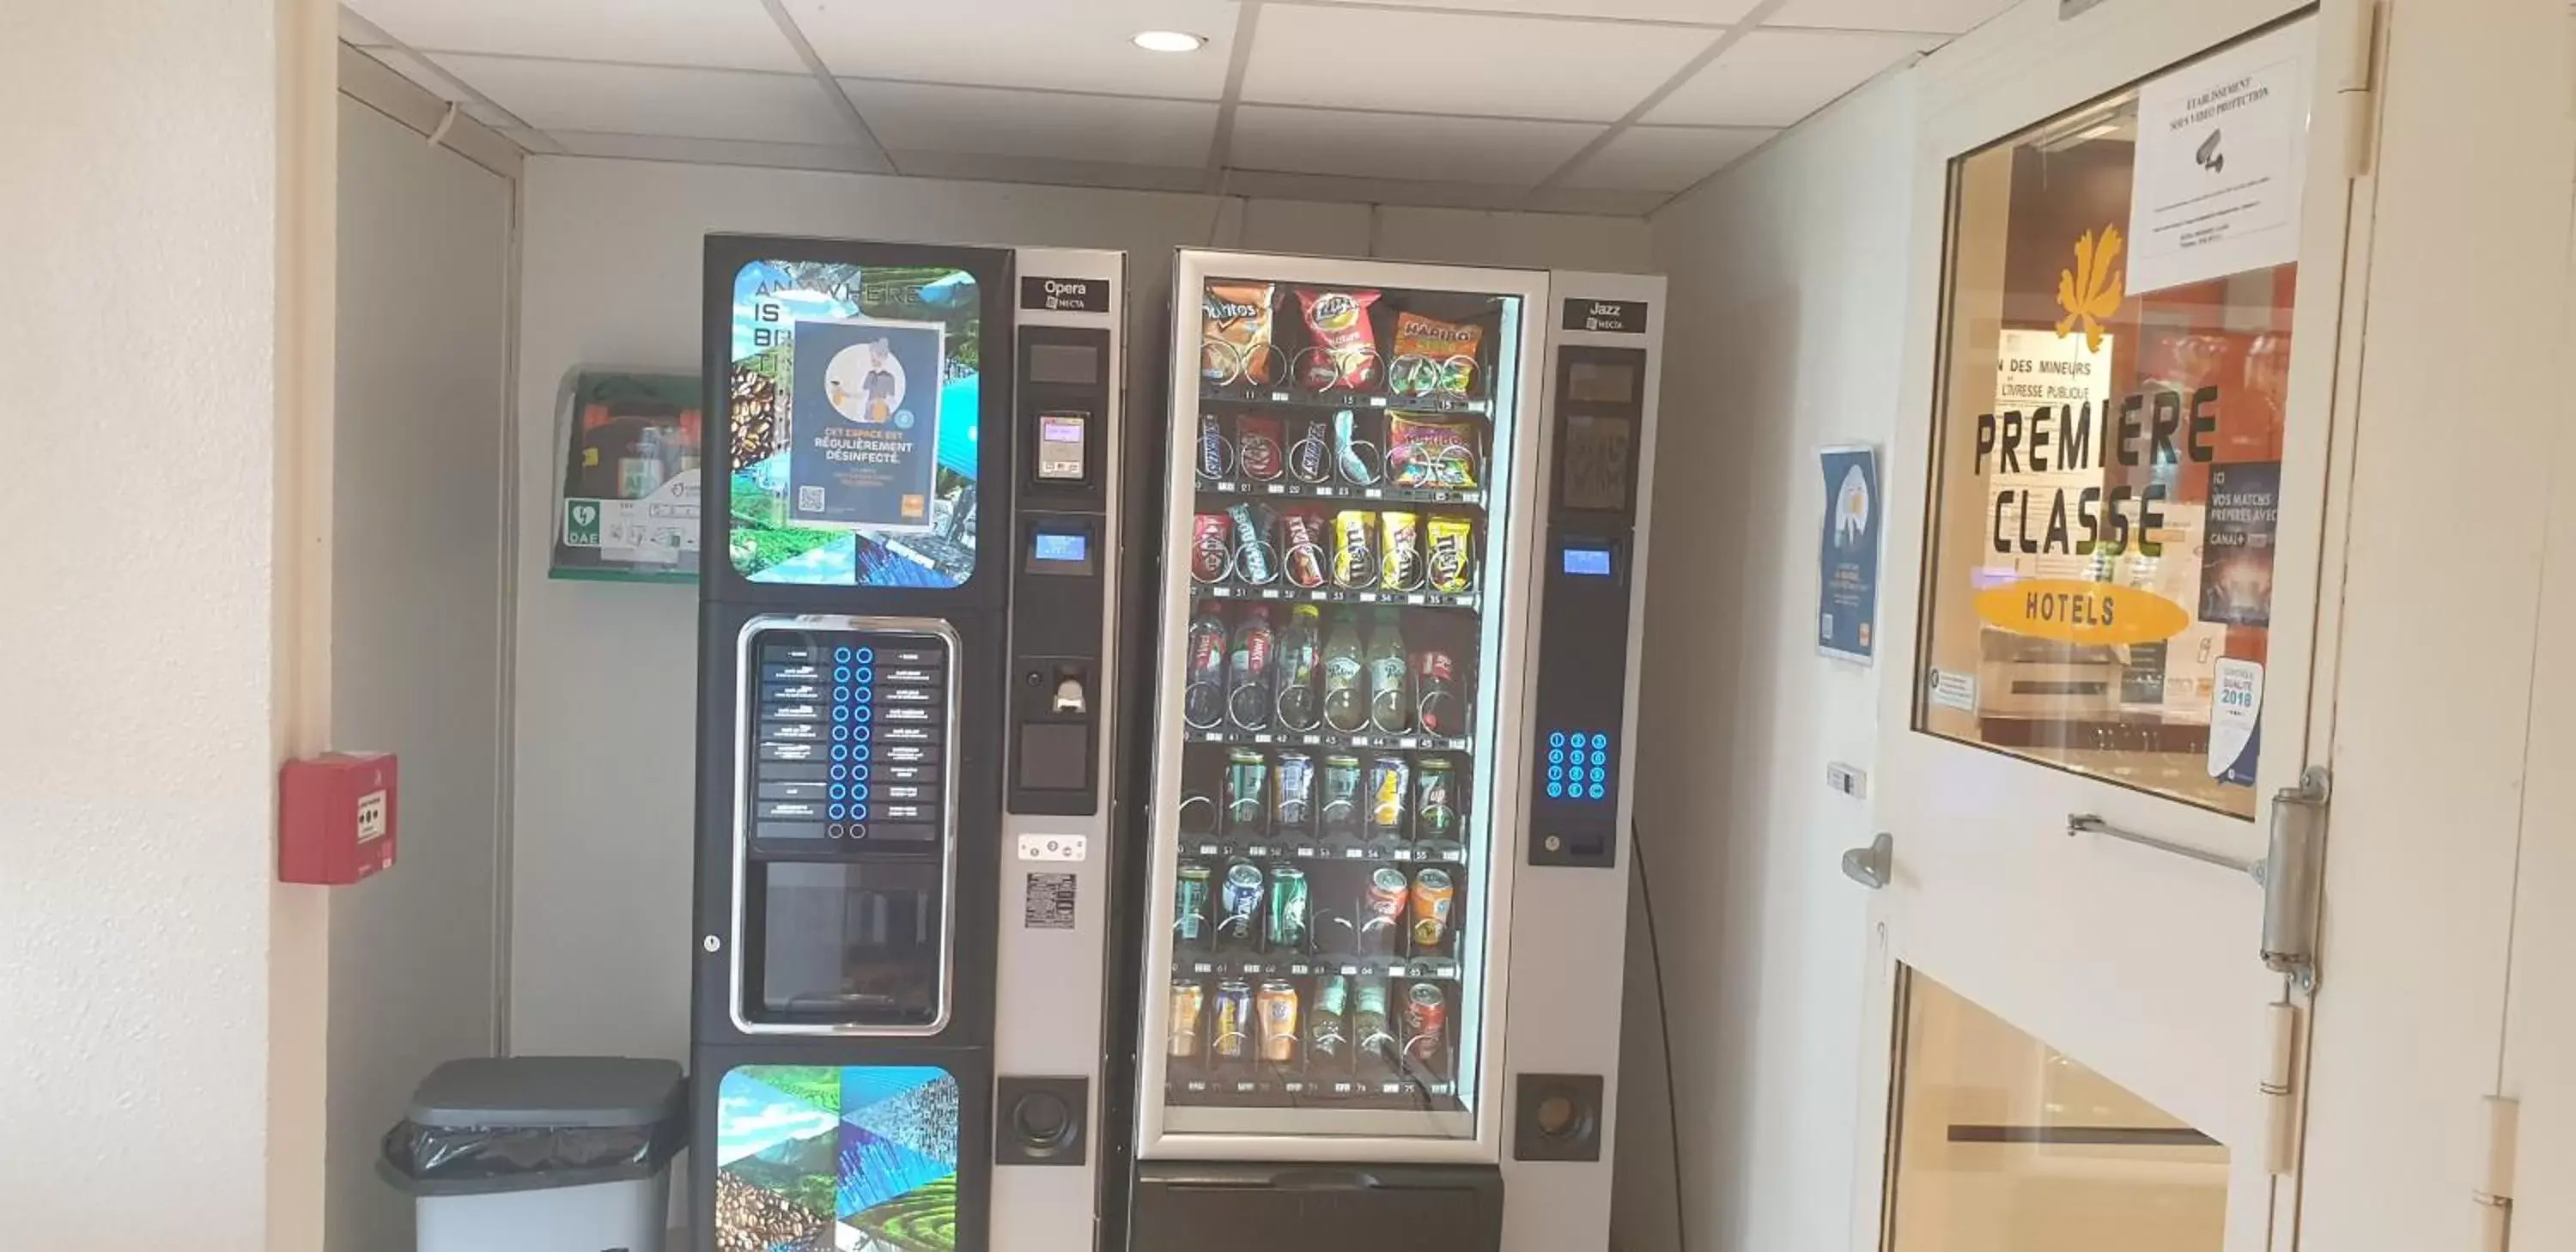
(1071, 364)
(1596, 462)
(1068, 546)
(1060, 450)
(1589, 562)
(851, 423)
(1597, 382)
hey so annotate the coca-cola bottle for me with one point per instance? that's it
(1249, 670)
(1203, 699)
(1301, 648)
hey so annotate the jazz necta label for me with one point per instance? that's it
(1620, 317)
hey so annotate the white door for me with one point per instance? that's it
(2106, 509)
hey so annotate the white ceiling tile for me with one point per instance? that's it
(431, 78)
(1404, 146)
(1775, 77)
(996, 169)
(359, 32)
(490, 115)
(1698, 12)
(1461, 62)
(1274, 185)
(1663, 158)
(683, 104)
(728, 34)
(715, 151)
(1947, 17)
(992, 121)
(1596, 200)
(1069, 45)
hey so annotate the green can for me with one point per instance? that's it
(1284, 930)
(1245, 773)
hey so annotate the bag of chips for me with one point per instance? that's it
(1427, 454)
(1433, 357)
(1344, 354)
(1234, 335)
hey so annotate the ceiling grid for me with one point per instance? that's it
(1564, 105)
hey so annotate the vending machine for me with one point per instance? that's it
(904, 745)
(1382, 917)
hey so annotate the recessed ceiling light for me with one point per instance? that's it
(1168, 41)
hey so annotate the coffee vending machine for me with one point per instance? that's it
(904, 745)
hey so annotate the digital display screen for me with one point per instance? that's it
(1596, 462)
(1588, 562)
(1060, 447)
(1066, 363)
(1063, 546)
(1597, 382)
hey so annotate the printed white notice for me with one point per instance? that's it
(2234, 716)
(2222, 156)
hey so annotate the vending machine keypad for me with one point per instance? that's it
(851, 731)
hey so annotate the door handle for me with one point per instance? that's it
(1872, 866)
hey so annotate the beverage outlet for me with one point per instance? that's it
(1153, 802)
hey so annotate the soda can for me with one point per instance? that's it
(1245, 771)
(1400, 555)
(1211, 547)
(1341, 808)
(1426, 1021)
(1284, 929)
(1277, 1008)
(1354, 550)
(1437, 707)
(1190, 902)
(1382, 913)
(1302, 543)
(1248, 676)
(1203, 703)
(1189, 1025)
(1251, 545)
(1328, 1023)
(1292, 794)
(1216, 455)
(1370, 1025)
(1238, 915)
(1452, 559)
(1432, 894)
(1235, 1022)
(1435, 810)
(1390, 784)
(1310, 454)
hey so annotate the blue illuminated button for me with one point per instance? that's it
(867, 656)
(841, 733)
(859, 792)
(1600, 757)
(1556, 739)
(1599, 775)
(841, 674)
(859, 753)
(859, 772)
(862, 733)
(867, 675)
(840, 713)
(858, 812)
(840, 752)
(863, 713)
(864, 694)
(840, 811)
(1556, 791)
(1556, 773)
(841, 771)
(841, 655)
(1600, 740)
(1556, 756)
(840, 792)
(1596, 791)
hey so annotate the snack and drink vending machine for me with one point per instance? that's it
(1399, 608)
(904, 744)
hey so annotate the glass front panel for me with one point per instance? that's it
(845, 943)
(2005, 1142)
(823, 1157)
(2114, 385)
(1352, 452)
(852, 417)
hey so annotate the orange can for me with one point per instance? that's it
(1432, 892)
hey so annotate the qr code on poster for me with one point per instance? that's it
(809, 499)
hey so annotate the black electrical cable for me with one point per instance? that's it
(1663, 1022)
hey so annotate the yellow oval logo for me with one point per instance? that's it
(2080, 612)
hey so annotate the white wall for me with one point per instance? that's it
(420, 450)
(1786, 334)
(606, 705)
(137, 337)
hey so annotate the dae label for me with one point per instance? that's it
(2073, 611)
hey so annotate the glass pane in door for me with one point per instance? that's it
(2003, 1142)
(1350, 453)
(2109, 437)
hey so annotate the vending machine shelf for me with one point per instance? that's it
(1302, 966)
(1328, 491)
(1238, 393)
(1335, 595)
(1428, 851)
(1274, 738)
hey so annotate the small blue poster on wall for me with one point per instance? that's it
(864, 448)
(1847, 567)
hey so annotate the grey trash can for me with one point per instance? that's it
(540, 1154)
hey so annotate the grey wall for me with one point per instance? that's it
(418, 631)
(605, 704)
(1787, 332)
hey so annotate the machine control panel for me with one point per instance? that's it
(850, 729)
(1585, 606)
(1060, 583)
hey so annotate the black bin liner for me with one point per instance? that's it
(488, 1125)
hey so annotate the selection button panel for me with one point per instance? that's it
(849, 734)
